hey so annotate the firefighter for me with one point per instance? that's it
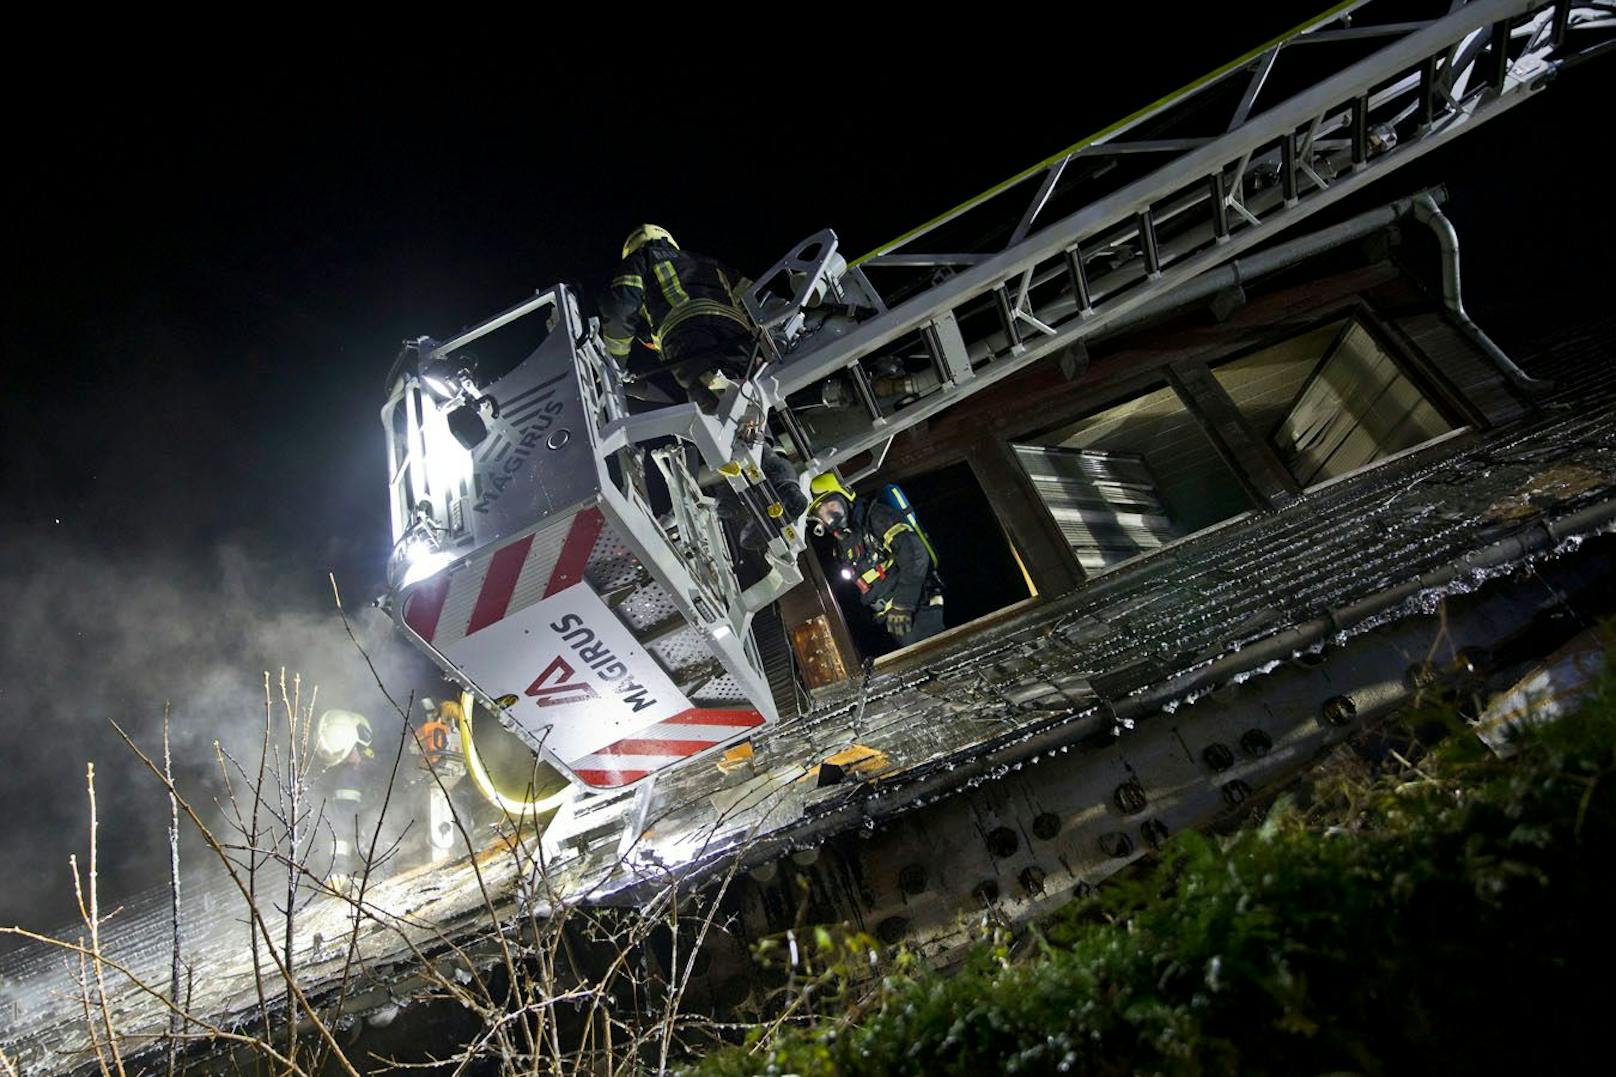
(682, 306)
(685, 307)
(884, 553)
(342, 747)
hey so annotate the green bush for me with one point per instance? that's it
(1455, 919)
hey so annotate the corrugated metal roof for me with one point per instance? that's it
(1160, 616)
(1127, 642)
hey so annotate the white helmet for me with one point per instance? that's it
(339, 734)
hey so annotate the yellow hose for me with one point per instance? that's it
(514, 806)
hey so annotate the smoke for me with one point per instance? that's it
(92, 637)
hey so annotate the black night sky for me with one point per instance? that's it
(213, 255)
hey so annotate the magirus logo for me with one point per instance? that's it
(612, 670)
(556, 686)
(525, 420)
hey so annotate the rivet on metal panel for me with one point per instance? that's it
(1154, 832)
(1217, 756)
(1420, 675)
(1130, 797)
(986, 892)
(1046, 826)
(892, 930)
(1236, 791)
(1032, 879)
(1002, 842)
(1339, 710)
(912, 878)
(1116, 844)
(1256, 742)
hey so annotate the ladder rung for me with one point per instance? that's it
(861, 383)
(1500, 50)
(1147, 243)
(1220, 212)
(798, 434)
(1007, 316)
(1080, 278)
(1287, 168)
(1360, 129)
(1427, 107)
(934, 352)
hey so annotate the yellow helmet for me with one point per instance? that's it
(644, 234)
(822, 486)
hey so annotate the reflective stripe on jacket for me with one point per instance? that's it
(890, 563)
(659, 287)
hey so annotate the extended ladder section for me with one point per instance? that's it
(860, 351)
(532, 560)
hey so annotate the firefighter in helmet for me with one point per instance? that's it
(682, 306)
(686, 308)
(882, 550)
(342, 748)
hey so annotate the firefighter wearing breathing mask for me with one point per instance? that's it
(886, 556)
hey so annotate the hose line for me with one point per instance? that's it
(514, 806)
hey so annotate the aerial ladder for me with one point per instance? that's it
(617, 640)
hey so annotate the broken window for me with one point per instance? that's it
(1131, 479)
(1330, 401)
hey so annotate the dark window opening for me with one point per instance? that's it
(980, 570)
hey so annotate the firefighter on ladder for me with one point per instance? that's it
(342, 747)
(888, 558)
(685, 307)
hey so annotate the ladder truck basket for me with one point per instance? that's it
(528, 563)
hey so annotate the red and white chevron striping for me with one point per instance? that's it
(454, 605)
(669, 741)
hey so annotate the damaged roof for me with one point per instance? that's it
(1345, 557)
(1385, 543)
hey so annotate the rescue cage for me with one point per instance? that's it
(529, 564)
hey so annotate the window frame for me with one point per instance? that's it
(1409, 361)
